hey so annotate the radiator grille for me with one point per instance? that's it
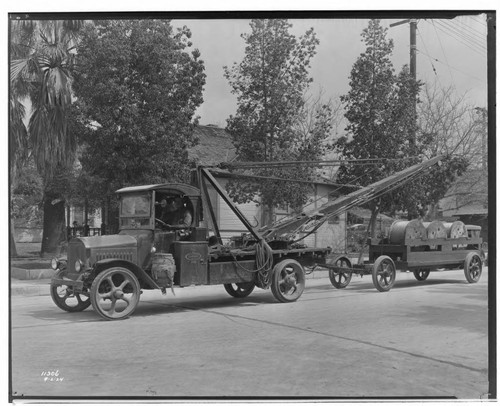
(125, 254)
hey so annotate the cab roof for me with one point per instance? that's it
(181, 188)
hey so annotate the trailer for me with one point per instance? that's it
(149, 252)
(417, 247)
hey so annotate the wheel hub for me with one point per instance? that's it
(290, 281)
(118, 294)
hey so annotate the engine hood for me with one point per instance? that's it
(90, 250)
(109, 241)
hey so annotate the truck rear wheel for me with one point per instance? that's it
(288, 281)
(384, 273)
(115, 293)
(473, 267)
(239, 290)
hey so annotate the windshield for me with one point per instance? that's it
(136, 206)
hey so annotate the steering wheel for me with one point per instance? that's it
(163, 223)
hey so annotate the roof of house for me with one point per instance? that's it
(214, 146)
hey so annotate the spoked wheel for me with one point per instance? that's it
(239, 290)
(421, 274)
(339, 277)
(65, 298)
(473, 267)
(115, 293)
(288, 281)
(384, 273)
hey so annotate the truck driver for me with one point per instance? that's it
(175, 213)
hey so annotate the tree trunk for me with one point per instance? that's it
(53, 223)
(12, 242)
(267, 215)
(373, 222)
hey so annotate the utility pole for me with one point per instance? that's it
(413, 49)
(413, 44)
(413, 61)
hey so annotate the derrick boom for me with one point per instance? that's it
(310, 221)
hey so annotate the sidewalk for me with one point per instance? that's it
(29, 273)
(31, 287)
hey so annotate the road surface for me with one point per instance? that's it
(421, 339)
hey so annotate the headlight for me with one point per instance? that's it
(78, 265)
(54, 263)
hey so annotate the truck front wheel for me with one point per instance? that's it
(65, 298)
(115, 293)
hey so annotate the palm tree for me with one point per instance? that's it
(42, 62)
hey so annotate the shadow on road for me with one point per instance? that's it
(151, 308)
(366, 284)
(154, 307)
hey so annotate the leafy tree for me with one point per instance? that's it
(137, 91)
(382, 123)
(26, 196)
(42, 63)
(270, 83)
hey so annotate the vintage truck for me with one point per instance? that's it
(109, 272)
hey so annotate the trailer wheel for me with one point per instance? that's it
(115, 293)
(65, 298)
(384, 273)
(473, 267)
(288, 281)
(421, 274)
(338, 277)
(239, 290)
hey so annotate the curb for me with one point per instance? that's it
(31, 274)
(40, 287)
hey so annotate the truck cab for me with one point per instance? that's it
(140, 210)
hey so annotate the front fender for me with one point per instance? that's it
(144, 279)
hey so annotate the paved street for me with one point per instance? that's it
(421, 339)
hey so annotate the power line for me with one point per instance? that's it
(444, 53)
(429, 57)
(479, 34)
(479, 20)
(451, 67)
(450, 32)
(455, 35)
(470, 39)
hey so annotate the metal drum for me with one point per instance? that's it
(402, 231)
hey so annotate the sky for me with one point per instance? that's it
(449, 53)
